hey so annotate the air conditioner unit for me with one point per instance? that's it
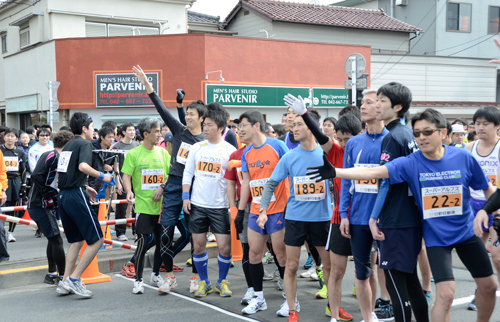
(401, 2)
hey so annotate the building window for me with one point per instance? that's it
(459, 17)
(24, 36)
(494, 20)
(93, 29)
(4, 44)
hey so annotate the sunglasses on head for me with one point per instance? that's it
(424, 132)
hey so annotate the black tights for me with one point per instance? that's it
(405, 289)
(245, 263)
(143, 242)
(168, 251)
(313, 251)
(55, 254)
(280, 268)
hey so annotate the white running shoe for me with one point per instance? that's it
(10, 237)
(255, 305)
(169, 284)
(61, 290)
(285, 309)
(314, 276)
(267, 276)
(77, 287)
(309, 272)
(122, 238)
(211, 238)
(194, 284)
(248, 296)
(156, 280)
(138, 287)
(374, 318)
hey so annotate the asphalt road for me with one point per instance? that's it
(114, 301)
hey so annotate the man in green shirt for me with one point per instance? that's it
(146, 168)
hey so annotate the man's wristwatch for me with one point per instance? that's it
(162, 185)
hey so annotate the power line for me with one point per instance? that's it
(432, 52)
(473, 45)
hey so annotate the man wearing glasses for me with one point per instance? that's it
(43, 135)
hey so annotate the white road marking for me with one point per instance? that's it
(213, 307)
(465, 300)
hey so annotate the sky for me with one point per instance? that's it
(223, 7)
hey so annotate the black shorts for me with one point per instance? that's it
(145, 224)
(202, 218)
(337, 243)
(46, 221)
(78, 218)
(472, 253)
(297, 231)
(400, 249)
(13, 189)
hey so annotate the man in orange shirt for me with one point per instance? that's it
(4, 184)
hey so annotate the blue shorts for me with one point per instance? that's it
(361, 247)
(275, 222)
(78, 216)
(477, 205)
(400, 249)
(172, 202)
(46, 221)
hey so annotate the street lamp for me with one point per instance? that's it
(216, 71)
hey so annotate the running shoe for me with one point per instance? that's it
(385, 313)
(281, 284)
(61, 290)
(194, 284)
(38, 234)
(189, 262)
(293, 317)
(10, 237)
(129, 270)
(428, 295)
(231, 265)
(380, 303)
(168, 284)
(268, 258)
(343, 315)
(267, 276)
(351, 258)
(156, 280)
(122, 238)
(374, 318)
(223, 288)
(51, 279)
(204, 289)
(309, 272)
(178, 268)
(323, 293)
(248, 296)
(210, 237)
(472, 305)
(76, 287)
(354, 290)
(138, 287)
(284, 310)
(309, 262)
(319, 276)
(255, 305)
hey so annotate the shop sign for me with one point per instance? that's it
(123, 90)
(271, 96)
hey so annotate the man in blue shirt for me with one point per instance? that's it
(439, 177)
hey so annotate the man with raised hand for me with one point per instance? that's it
(439, 178)
(145, 169)
(309, 207)
(257, 164)
(184, 138)
(77, 215)
(339, 246)
(208, 204)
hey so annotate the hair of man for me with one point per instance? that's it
(431, 115)
(332, 120)
(199, 106)
(64, 128)
(398, 94)
(104, 131)
(279, 129)
(46, 126)
(147, 124)
(111, 124)
(61, 138)
(217, 113)
(78, 121)
(314, 115)
(42, 130)
(11, 130)
(348, 123)
(254, 116)
(489, 113)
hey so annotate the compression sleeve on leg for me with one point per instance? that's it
(493, 204)
(316, 131)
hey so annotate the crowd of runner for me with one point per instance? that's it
(388, 191)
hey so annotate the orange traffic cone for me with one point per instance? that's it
(91, 275)
(27, 215)
(236, 248)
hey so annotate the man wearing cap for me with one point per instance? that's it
(167, 142)
(457, 135)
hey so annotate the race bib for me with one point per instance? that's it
(257, 188)
(151, 178)
(442, 201)
(492, 177)
(11, 163)
(307, 189)
(209, 167)
(183, 153)
(366, 186)
(240, 174)
(62, 163)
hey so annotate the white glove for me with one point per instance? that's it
(297, 104)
